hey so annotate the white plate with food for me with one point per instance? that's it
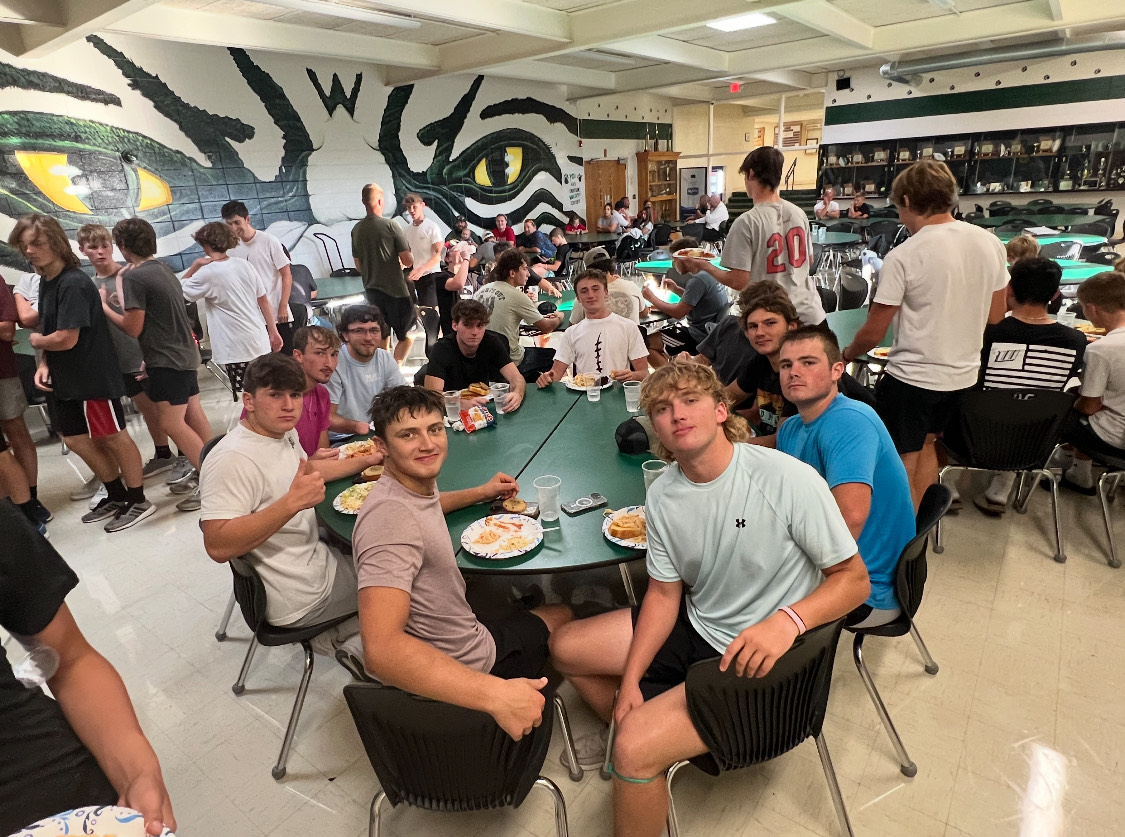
(626, 527)
(501, 536)
(351, 498)
(364, 447)
(583, 382)
(693, 253)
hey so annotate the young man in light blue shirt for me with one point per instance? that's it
(363, 371)
(847, 444)
(746, 549)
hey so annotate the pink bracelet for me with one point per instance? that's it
(792, 614)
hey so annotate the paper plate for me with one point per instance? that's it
(351, 498)
(883, 351)
(361, 447)
(609, 518)
(571, 385)
(95, 821)
(505, 527)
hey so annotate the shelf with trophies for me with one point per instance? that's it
(857, 165)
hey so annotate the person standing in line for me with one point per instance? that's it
(80, 366)
(239, 314)
(771, 241)
(267, 254)
(939, 288)
(381, 253)
(425, 240)
(156, 314)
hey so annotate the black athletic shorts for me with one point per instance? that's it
(133, 387)
(1085, 438)
(399, 312)
(677, 338)
(521, 644)
(911, 413)
(176, 386)
(96, 418)
(683, 648)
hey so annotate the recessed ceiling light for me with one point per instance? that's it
(739, 22)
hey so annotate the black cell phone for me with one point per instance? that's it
(585, 504)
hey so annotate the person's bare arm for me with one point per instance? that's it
(854, 500)
(28, 316)
(555, 373)
(638, 370)
(500, 487)
(334, 469)
(517, 387)
(831, 213)
(400, 660)
(754, 651)
(872, 332)
(233, 538)
(276, 341)
(132, 322)
(998, 306)
(549, 323)
(56, 341)
(733, 278)
(1088, 405)
(456, 282)
(338, 424)
(675, 310)
(428, 266)
(405, 258)
(284, 315)
(94, 700)
(659, 609)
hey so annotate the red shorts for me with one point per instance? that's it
(97, 419)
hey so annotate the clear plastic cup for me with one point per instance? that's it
(452, 404)
(594, 393)
(632, 396)
(652, 469)
(547, 493)
(1067, 318)
(499, 393)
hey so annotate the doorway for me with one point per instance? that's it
(605, 183)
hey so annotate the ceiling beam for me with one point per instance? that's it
(500, 15)
(790, 78)
(197, 27)
(662, 48)
(1057, 9)
(543, 71)
(47, 12)
(77, 19)
(822, 16)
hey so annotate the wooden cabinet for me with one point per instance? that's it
(658, 181)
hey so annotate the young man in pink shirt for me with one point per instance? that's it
(317, 349)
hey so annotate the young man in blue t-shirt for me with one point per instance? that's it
(746, 549)
(847, 444)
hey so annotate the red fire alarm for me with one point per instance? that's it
(735, 86)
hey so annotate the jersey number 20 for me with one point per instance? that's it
(791, 248)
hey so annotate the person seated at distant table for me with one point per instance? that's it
(859, 207)
(461, 232)
(534, 243)
(643, 222)
(611, 221)
(574, 223)
(623, 208)
(603, 343)
(702, 300)
(502, 232)
(846, 442)
(474, 355)
(826, 208)
(716, 215)
(554, 265)
(363, 371)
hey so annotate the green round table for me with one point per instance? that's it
(1085, 239)
(1061, 221)
(337, 287)
(1074, 272)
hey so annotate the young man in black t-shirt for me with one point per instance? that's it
(79, 364)
(473, 355)
(1027, 350)
(84, 747)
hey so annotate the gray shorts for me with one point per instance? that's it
(12, 400)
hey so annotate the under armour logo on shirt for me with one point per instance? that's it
(739, 523)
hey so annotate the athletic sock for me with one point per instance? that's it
(163, 452)
(135, 495)
(34, 489)
(115, 490)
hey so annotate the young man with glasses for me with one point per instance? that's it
(363, 371)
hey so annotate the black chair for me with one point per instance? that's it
(1050, 209)
(629, 252)
(441, 757)
(1040, 202)
(1102, 228)
(827, 299)
(973, 216)
(885, 227)
(748, 720)
(250, 593)
(884, 212)
(996, 204)
(1002, 211)
(1106, 257)
(1061, 250)
(221, 633)
(910, 578)
(1009, 430)
(1016, 226)
(661, 235)
(1107, 487)
(844, 227)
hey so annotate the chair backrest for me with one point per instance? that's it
(661, 235)
(1102, 228)
(442, 757)
(1016, 225)
(886, 227)
(1106, 257)
(1039, 202)
(1050, 209)
(747, 720)
(995, 204)
(827, 299)
(911, 572)
(1061, 250)
(249, 592)
(209, 446)
(1013, 429)
(629, 248)
(997, 211)
(844, 227)
(973, 216)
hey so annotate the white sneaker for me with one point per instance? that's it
(99, 495)
(590, 750)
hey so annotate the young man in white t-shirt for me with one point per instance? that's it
(940, 288)
(771, 241)
(424, 237)
(268, 255)
(746, 550)
(625, 298)
(601, 344)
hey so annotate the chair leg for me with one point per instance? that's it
(608, 760)
(908, 767)
(573, 768)
(221, 634)
(1103, 495)
(561, 827)
(240, 684)
(931, 666)
(298, 704)
(1060, 551)
(373, 815)
(1019, 503)
(673, 824)
(630, 592)
(939, 545)
(833, 785)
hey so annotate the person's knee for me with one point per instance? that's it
(633, 753)
(554, 616)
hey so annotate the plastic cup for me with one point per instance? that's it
(652, 469)
(547, 493)
(632, 396)
(594, 393)
(499, 393)
(1067, 318)
(452, 404)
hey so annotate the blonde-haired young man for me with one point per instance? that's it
(778, 559)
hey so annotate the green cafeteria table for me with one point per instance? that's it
(1085, 239)
(1062, 221)
(555, 431)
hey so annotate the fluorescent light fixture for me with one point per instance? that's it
(345, 10)
(740, 22)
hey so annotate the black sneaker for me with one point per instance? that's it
(104, 510)
(41, 512)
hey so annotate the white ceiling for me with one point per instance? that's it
(592, 47)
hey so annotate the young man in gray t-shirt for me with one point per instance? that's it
(419, 633)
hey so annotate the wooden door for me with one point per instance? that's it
(605, 183)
